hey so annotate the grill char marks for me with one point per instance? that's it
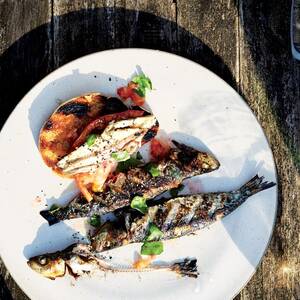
(138, 182)
(77, 109)
(113, 105)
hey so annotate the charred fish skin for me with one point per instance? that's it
(183, 162)
(80, 259)
(177, 217)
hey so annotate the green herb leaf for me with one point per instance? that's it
(54, 208)
(132, 162)
(91, 139)
(154, 233)
(152, 248)
(174, 192)
(143, 81)
(139, 203)
(120, 156)
(140, 91)
(95, 220)
(152, 169)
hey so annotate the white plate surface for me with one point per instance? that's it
(194, 106)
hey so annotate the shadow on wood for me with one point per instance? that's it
(82, 32)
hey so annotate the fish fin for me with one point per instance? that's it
(187, 267)
(51, 219)
(255, 185)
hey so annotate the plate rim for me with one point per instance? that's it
(156, 51)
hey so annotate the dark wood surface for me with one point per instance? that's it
(246, 42)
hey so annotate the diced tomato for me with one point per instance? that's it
(128, 91)
(84, 181)
(158, 150)
(124, 92)
(142, 263)
(137, 100)
(88, 182)
(101, 123)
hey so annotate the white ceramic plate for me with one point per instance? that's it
(194, 106)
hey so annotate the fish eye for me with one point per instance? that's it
(43, 260)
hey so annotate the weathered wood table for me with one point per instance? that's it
(246, 42)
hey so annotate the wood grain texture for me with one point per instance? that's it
(269, 80)
(246, 42)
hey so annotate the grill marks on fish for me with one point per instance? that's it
(180, 216)
(182, 162)
(123, 135)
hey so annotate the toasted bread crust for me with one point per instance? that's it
(65, 124)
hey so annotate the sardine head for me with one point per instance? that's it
(48, 266)
(194, 161)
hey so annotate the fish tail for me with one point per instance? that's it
(187, 267)
(255, 185)
(50, 218)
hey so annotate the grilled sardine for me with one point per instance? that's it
(176, 217)
(79, 259)
(181, 163)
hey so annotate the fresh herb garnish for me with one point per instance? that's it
(140, 91)
(132, 162)
(54, 208)
(95, 220)
(154, 233)
(143, 83)
(174, 192)
(152, 169)
(139, 203)
(152, 248)
(91, 139)
(120, 156)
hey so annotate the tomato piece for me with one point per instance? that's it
(124, 92)
(102, 122)
(84, 180)
(128, 91)
(137, 99)
(158, 150)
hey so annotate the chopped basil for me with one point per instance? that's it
(54, 208)
(174, 192)
(154, 233)
(91, 139)
(139, 203)
(140, 91)
(95, 220)
(143, 81)
(152, 169)
(132, 162)
(120, 156)
(152, 248)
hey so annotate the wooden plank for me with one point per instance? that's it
(82, 27)
(269, 81)
(25, 49)
(207, 34)
(25, 58)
